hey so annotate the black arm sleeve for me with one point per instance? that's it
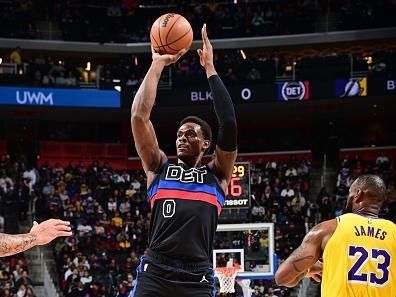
(224, 108)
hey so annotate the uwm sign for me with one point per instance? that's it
(34, 98)
(59, 97)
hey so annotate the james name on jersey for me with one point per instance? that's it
(370, 231)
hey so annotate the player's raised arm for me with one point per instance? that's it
(143, 131)
(226, 146)
(304, 261)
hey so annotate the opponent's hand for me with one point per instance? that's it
(50, 229)
(315, 272)
(166, 59)
(206, 53)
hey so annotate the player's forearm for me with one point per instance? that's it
(224, 108)
(145, 97)
(13, 244)
(210, 70)
(290, 281)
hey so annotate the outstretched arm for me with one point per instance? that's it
(143, 131)
(39, 234)
(226, 147)
(304, 261)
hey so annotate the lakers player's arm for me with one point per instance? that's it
(226, 148)
(294, 268)
(142, 128)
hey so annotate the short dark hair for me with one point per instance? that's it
(206, 130)
(373, 183)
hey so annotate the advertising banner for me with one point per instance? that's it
(293, 90)
(351, 87)
(59, 97)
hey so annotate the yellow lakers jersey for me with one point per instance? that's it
(359, 259)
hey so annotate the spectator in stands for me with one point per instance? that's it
(24, 279)
(343, 178)
(291, 172)
(378, 66)
(22, 198)
(16, 57)
(258, 22)
(48, 80)
(382, 160)
(4, 162)
(70, 80)
(106, 80)
(287, 192)
(298, 201)
(60, 80)
(125, 207)
(346, 163)
(6, 183)
(30, 176)
(253, 75)
(132, 80)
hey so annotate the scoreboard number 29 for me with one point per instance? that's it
(239, 187)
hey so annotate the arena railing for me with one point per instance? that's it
(368, 153)
(226, 43)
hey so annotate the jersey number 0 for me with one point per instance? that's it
(168, 208)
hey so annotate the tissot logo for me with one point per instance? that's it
(34, 98)
(237, 202)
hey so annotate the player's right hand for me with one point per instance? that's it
(166, 59)
(315, 272)
(50, 229)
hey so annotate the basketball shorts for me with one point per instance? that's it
(159, 276)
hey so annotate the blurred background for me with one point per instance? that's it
(314, 87)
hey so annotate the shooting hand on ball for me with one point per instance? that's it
(166, 59)
(206, 53)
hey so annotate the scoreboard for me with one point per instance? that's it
(239, 187)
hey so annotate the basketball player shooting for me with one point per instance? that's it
(358, 249)
(186, 198)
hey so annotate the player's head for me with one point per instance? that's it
(367, 191)
(194, 137)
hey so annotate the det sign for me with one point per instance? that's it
(293, 90)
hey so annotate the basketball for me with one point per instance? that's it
(171, 33)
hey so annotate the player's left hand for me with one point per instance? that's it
(50, 229)
(315, 272)
(206, 53)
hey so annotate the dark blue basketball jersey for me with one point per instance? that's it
(185, 205)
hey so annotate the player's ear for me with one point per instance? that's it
(358, 196)
(205, 144)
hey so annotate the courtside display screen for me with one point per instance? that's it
(59, 97)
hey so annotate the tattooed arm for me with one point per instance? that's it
(39, 234)
(13, 244)
(306, 256)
